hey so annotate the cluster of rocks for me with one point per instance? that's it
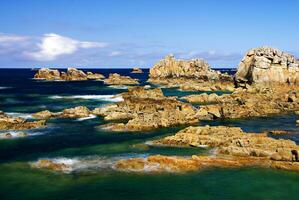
(137, 70)
(116, 79)
(189, 75)
(145, 110)
(234, 148)
(11, 123)
(267, 65)
(72, 74)
(9, 135)
(252, 103)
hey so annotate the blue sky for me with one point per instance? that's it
(122, 34)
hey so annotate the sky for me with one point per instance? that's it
(138, 33)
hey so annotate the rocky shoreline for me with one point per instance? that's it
(265, 83)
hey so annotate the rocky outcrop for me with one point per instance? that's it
(10, 135)
(116, 79)
(51, 165)
(253, 102)
(189, 75)
(233, 141)
(267, 65)
(72, 74)
(137, 71)
(77, 112)
(146, 110)
(204, 98)
(10, 123)
(47, 74)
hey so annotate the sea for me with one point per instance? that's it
(92, 152)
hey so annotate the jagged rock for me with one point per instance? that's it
(137, 71)
(10, 123)
(145, 110)
(47, 74)
(202, 98)
(116, 79)
(76, 112)
(74, 74)
(233, 141)
(267, 65)
(95, 76)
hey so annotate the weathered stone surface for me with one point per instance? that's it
(203, 98)
(145, 110)
(137, 71)
(76, 112)
(116, 79)
(267, 65)
(74, 74)
(10, 123)
(253, 102)
(233, 141)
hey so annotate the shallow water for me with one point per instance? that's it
(74, 140)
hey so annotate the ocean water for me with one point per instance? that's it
(91, 151)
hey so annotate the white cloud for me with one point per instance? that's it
(4, 38)
(53, 45)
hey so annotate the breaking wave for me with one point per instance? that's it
(22, 115)
(111, 98)
(87, 118)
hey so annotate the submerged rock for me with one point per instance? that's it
(145, 110)
(116, 79)
(51, 165)
(137, 71)
(9, 135)
(267, 65)
(11, 123)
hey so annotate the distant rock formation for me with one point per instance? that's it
(267, 65)
(116, 79)
(11, 123)
(72, 74)
(137, 71)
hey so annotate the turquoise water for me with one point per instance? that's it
(75, 139)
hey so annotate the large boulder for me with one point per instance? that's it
(47, 74)
(117, 79)
(267, 65)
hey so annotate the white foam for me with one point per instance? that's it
(2, 88)
(86, 118)
(123, 87)
(22, 115)
(112, 98)
(18, 134)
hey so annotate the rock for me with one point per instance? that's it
(146, 110)
(116, 79)
(233, 141)
(47, 74)
(51, 165)
(76, 112)
(95, 76)
(137, 71)
(203, 98)
(252, 102)
(72, 74)
(267, 65)
(13, 135)
(297, 122)
(10, 123)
